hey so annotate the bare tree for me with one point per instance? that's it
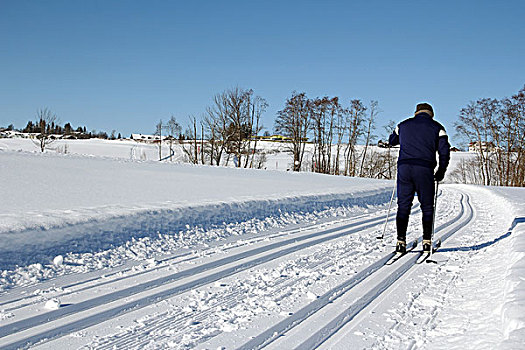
(159, 133)
(508, 133)
(322, 127)
(173, 131)
(355, 116)
(340, 129)
(217, 123)
(231, 123)
(294, 122)
(191, 145)
(211, 124)
(518, 136)
(44, 119)
(202, 150)
(256, 106)
(333, 109)
(496, 129)
(474, 124)
(368, 133)
(241, 113)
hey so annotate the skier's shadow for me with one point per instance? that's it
(477, 246)
(486, 244)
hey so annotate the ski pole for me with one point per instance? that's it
(433, 222)
(388, 213)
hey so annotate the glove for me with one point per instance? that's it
(439, 175)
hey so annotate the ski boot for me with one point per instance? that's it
(401, 247)
(427, 243)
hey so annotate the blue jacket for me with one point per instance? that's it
(420, 138)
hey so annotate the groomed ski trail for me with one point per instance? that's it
(347, 300)
(83, 310)
(166, 324)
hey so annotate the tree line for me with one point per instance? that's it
(323, 133)
(46, 128)
(335, 130)
(229, 131)
(496, 131)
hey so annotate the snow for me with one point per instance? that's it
(104, 247)
(58, 260)
(513, 309)
(52, 304)
(76, 204)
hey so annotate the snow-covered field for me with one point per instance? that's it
(103, 247)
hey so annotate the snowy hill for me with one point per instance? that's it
(104, 247)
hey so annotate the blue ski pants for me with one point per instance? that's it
(413, 179)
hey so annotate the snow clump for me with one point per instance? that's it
(52, 304)
(58, 260)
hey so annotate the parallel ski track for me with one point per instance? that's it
(271, 334)
(174, 324)
(143, 301)
(178, 325)
(27, 295)
(80, 281)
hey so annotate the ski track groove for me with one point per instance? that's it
(126, 269)
(315, 340)
(322, 336)
(25, 292)
(313, 343)
(368, 220)
(158, 326)
(169, 323)
(447, 278)
(174, 323)
(134, 274)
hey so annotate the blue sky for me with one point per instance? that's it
(124, 65)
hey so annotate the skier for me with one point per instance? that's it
(420, 137)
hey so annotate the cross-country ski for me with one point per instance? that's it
(397, 255)
(426, 256)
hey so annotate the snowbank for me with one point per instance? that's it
(55, 204)
(513, 312)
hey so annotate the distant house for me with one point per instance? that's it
(484, 146)
(11, 134)
(147, 138)
(75, 135)
(275, 138)
(382, 144)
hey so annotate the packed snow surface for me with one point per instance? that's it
(101, 249)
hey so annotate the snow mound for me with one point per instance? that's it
(52, 304)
